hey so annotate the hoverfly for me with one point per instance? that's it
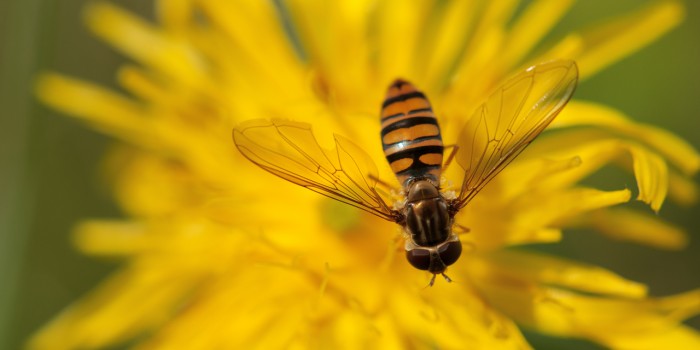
(496, 133)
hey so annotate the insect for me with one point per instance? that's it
(497, 132)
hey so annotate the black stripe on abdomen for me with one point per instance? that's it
(404, 97)
(407, 123)
(417, 169)
(414, 154)
(419, 110)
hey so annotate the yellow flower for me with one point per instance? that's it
(220, 255)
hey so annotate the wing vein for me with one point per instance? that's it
(510, 119)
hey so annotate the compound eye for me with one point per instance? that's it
(450, 252)
(419, 258)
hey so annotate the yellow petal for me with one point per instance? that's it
(678, 151)
(478, 72)
(398, 28)
(432, 320)
(682, 189)
(146, 43)
(532, 217)
(595, 150)
(634, 226)
(241, 314)
(175, 15)
(538, 173)
(619, 38)
(557, 271)
(102, 237)
(550, 210)
(611, 321)
(443, 41)
(564, 313)
(568, 47)
(99, 318)
(334, 34)
(475, 78)
(249, 34)
(103, 108)
(142, 84)
(652, 176)
(679, 337)
(536, 20)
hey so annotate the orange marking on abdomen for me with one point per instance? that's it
(431, 159)
(401, 164)
(411, 133)
(416, 103)
(405, 106)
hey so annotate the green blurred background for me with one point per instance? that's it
(49, 177)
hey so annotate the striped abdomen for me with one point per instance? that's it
(410, 134)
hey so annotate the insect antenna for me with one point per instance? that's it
(432, 281)
(449, 280)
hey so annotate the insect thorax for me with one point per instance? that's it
(427, 217)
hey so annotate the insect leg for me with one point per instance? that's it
(461, 229)
(387, 187)
(454, 148)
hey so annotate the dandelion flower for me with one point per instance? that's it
(218, 254)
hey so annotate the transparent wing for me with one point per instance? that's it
(289, 150)
(509, 120)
